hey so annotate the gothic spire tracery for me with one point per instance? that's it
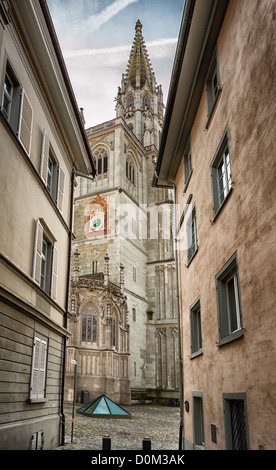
(139, 70)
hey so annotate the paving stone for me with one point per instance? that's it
(158, 423)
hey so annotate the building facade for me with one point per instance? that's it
(218, 152)
(122, 216)
(42, 141)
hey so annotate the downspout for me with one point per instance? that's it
(70, 235)
(177, 302)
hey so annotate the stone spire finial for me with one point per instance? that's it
(138, 27)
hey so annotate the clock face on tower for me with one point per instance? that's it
(96, 213)
(97, 222)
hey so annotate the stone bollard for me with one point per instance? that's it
(146, 443)
(106, 442)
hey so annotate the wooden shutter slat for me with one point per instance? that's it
(54, 274)
(44, 157)
(37, 252)
(61, 186)
(25, 123)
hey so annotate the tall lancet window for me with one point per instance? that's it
(146, 101)
(89, 324)
(100, 160)
(130, 170)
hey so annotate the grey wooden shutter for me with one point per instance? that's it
(61, 186)
(39, 368)
(25, 123)
(44, 157)
(54, 274)
(37, 252)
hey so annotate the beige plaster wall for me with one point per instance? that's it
(245, 225)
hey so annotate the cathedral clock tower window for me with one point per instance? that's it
(101, 161)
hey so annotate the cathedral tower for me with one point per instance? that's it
(133, 351)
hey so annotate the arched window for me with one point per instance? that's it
(100, 160)
(130, 100)
(146, 101)
(130, 170)
(89, 325)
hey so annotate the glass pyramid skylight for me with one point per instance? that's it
(103, 407)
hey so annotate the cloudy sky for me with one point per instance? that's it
(96, 38)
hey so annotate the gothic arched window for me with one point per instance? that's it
(89, 324)
(130, 100)
(146, 101)
(130, 170)
(100, 160)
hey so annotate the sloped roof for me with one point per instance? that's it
(103, 407)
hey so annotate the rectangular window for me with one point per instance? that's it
(192, 235)
(7, 96)
(213, 86)
(94, 267)
(38, 372)
(188, 168)
(196, 337)
(45, 260)
(235, 417)
(17, 108)
(229, 308)
(51, 172)
(134, 273)
(221, 174)
(198, 419)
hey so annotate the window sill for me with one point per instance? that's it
(37, 400)
(232, 337)
(196, 353)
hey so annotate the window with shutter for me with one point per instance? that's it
(45, 260)
(44, 157)
(51, 173)
(38, 252)
(25, 123)
(38, 376)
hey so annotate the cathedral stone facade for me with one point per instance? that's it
(123, 227)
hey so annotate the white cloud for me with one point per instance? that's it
(155, 46)
(96, 21)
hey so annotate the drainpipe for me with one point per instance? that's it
(74, 174)
(171, 184)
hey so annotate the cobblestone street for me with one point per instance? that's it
(159, 423)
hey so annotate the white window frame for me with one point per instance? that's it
(221, 160)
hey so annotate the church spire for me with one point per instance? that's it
(139, 70)
(139, 99)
